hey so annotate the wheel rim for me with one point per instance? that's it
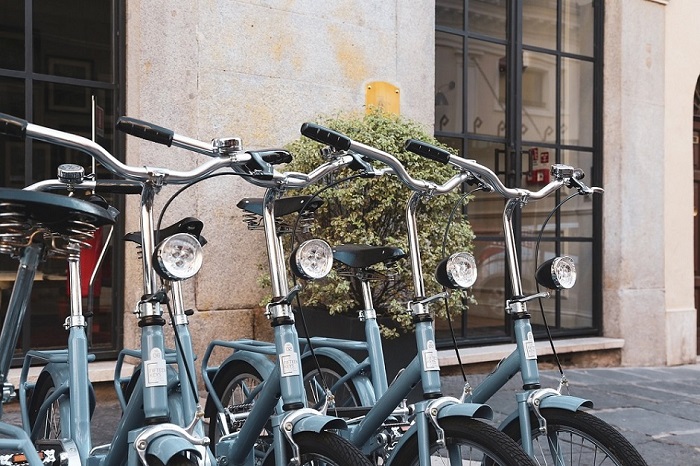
(315, 392)
(461, 452)
(564, 446)
(52, 420)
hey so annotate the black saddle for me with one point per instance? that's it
(361, 256)
(189, 225)
(283, 206)
(55, 212)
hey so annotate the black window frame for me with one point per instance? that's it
(514, 142)
(116, 86)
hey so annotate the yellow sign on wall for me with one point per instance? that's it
(383, 95)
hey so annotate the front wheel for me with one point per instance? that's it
(467, 441)
(49, 423)
(177, 460)
(237, 386)
(324, 448)
(345, 395)
(577, 438)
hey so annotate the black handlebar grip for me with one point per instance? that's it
(427, 150)
(326, 136)
(145, 130)
(117, 187)
(13, 126)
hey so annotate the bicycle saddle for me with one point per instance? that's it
(362, 255)
(283, 206)
(54, 212)
(189, 225)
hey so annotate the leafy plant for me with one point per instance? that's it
(373, 211)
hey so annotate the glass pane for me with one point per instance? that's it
(536, 163)
(68, 108)
(486, 97)
(577, 214)
(454, 143)
(488, 314)
(449, 66)
(577, 27)
(576, 303)
(450, 13)
(12, 149)
(485, 210)
(577, 102)
(539, 97)
(540, 23)
(73, 38)
(12, 35)
(488, 17)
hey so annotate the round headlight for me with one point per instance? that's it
(312, 259)
(557, 273)
(457, 271)
(178, 257)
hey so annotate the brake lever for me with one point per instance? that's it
(583, 189)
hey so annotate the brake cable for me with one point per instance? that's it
(537, 285)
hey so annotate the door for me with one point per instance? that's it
(696, 219)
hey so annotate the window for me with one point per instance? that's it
(518, 87)
(58, 56)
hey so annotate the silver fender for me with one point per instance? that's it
(473, 410)
(165, 447)
(461, 410)
(566, 402)
(362, 383)
(315, 422)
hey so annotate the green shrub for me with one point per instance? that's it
(373, 211)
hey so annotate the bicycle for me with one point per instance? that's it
(556, 422)
(158, 425)
(441, 426)
(302, 434)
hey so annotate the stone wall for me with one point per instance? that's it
(256, 70)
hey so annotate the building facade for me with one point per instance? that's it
(606, 85)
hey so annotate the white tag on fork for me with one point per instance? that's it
(289, 362)
(155, 370)
(530, 348)
(430, 358)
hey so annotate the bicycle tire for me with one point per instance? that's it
(478, 442)
(597, 440)
(324, 448)
(234, 378)
(177, 460)
(52, 420)
(331, 371)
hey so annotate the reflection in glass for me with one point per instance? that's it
(485, 101)
(450, 13)
(73, 39)
(577, 102)
(540, 23)
(488, 17)
(539, 94)
(577, 214)
(576, 303)
(577, 27)
(454, 143)
(449, 50)
(12, 35)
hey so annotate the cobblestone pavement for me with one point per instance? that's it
(656, 408)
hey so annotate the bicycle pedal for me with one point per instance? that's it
(47, 456)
